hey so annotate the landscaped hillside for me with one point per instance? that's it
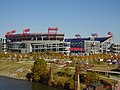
(14, 69)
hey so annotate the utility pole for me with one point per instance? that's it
(77, 79)
(80, 67)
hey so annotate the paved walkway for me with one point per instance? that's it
(110, 72)
(115, 78)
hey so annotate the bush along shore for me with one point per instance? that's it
(51, 74)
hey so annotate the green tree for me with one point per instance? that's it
(71, 83)
(39, 69)
(91, 77)
(65, 72)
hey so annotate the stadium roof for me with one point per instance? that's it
(101, 39)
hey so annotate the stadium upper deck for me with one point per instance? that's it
(78, 42)
(51, 35)
(88, 45)
(34, 36)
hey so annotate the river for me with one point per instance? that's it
(14, 84)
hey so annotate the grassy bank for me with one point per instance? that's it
(15, 69)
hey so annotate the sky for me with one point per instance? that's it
(70, 16)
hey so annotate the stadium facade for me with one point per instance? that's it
(27, 42)
(3, 46)
(37, 42)
(115, 48)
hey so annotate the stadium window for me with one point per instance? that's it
(36, 50)
(65, 44)
(54, 45)
(33, 50)
(25, 51)
(48, 49)
(36, 46)
(48, 45)
(42, 50)
(54, 49)
(60, 49)
(21, 45)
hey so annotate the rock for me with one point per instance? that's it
(21, 70)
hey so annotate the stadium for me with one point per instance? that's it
(27, 42)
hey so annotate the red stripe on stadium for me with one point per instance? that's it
(76, 49)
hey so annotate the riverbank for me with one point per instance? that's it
(18, 70)
(12, 75)
(14, 69)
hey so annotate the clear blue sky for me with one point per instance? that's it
(70, 16)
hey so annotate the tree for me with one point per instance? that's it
(91, 77)
(50, 74)
(17, 56)
(71, 81)
(39, 69)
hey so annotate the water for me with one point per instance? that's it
(13, 84)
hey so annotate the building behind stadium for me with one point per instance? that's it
(27, 42)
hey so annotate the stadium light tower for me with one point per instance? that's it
(11, 33)
(110, 33)
(94, 35)
(25, 32)
(77, 36)
(52, 31)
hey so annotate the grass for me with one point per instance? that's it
(104, 66)
(12, 67)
